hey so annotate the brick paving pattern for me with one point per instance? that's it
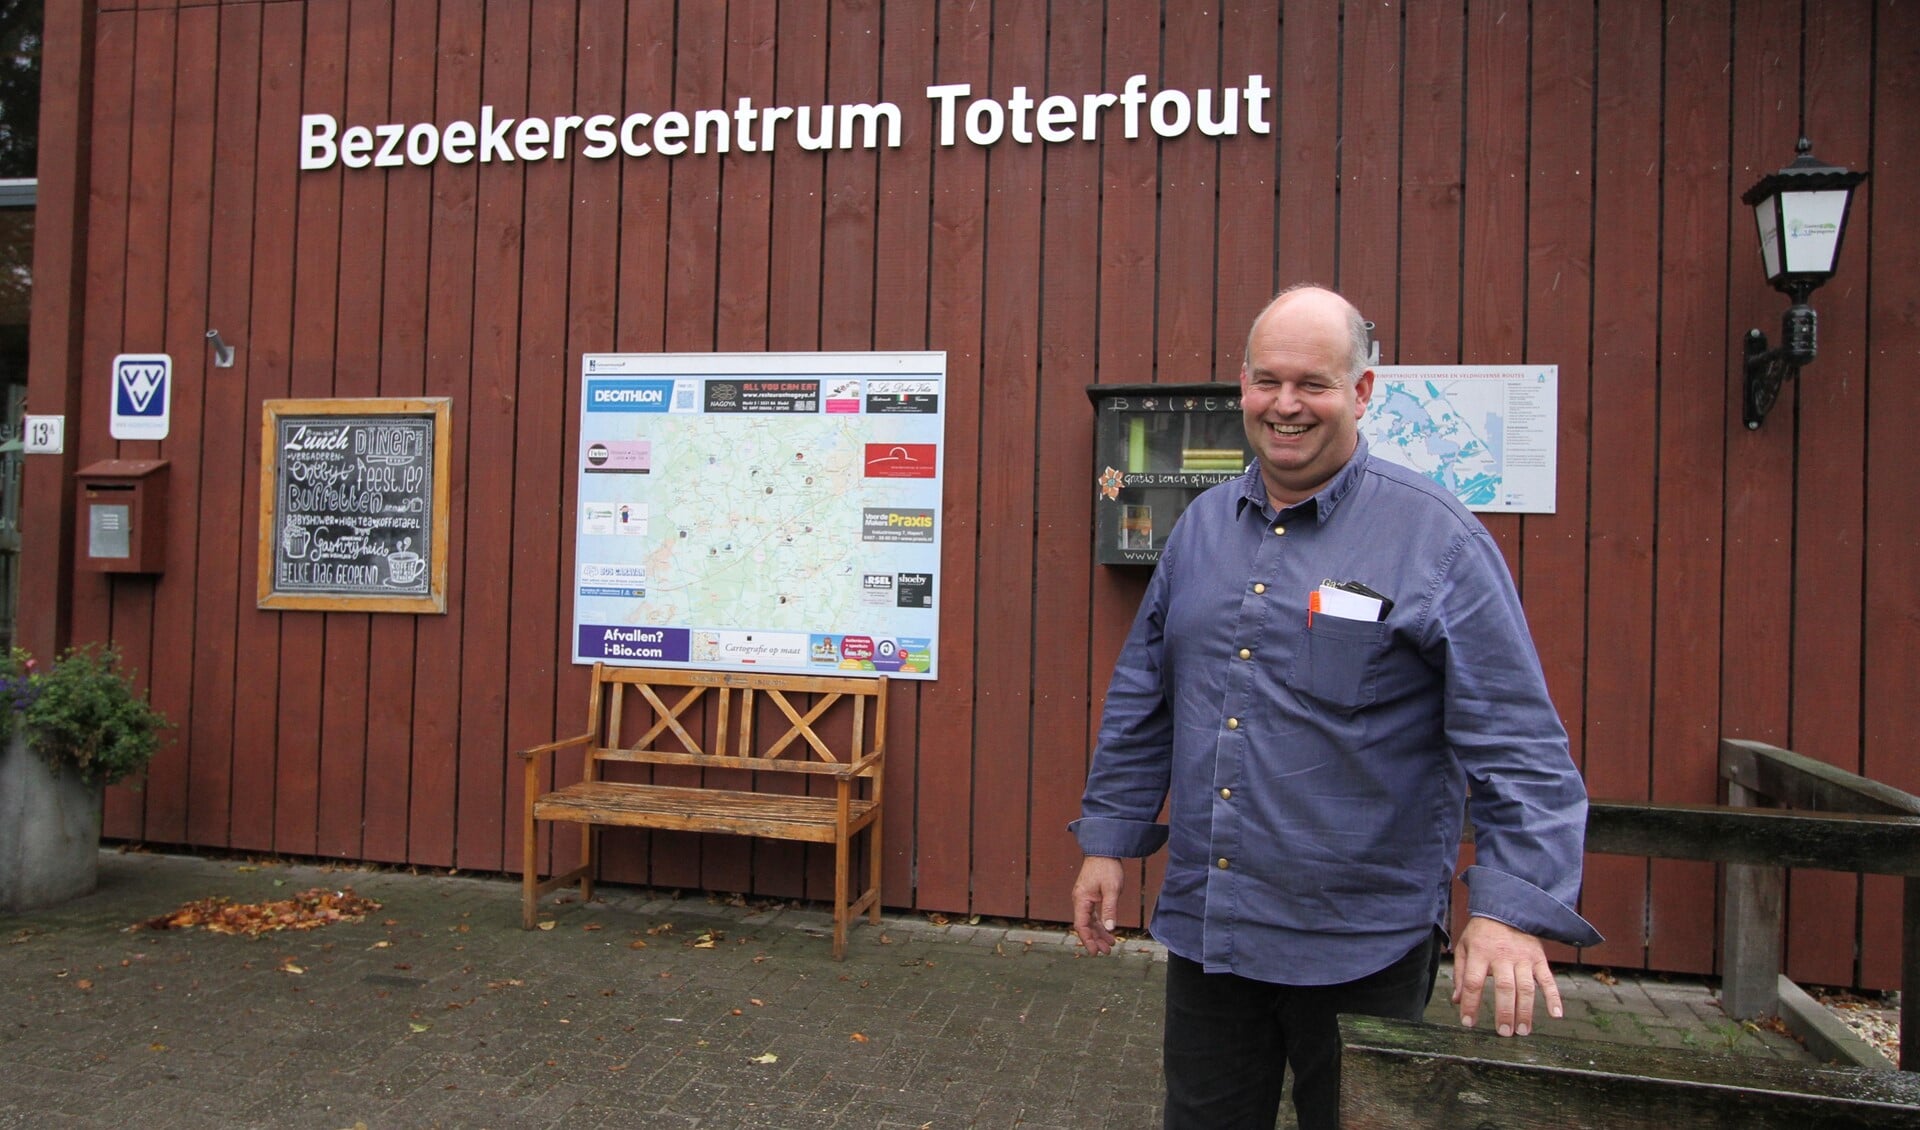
(635, 1011)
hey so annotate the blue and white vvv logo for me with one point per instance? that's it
(142, 395)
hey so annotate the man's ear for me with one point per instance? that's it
(1363, 391)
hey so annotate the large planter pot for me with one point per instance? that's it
(49, 831)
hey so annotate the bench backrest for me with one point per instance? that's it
(813, 724)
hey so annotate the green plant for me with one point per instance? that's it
(81, 710)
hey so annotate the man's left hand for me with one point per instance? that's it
(1518, 966)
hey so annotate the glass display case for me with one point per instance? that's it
(1155, 447)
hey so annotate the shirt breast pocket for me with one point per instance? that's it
(1339, 665)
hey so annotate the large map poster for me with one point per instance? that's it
(1488, 433)
(773, 512)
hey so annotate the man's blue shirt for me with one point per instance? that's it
(1315, 772)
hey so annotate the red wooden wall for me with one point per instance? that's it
(1490, 181)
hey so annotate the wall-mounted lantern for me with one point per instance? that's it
(1802, 213)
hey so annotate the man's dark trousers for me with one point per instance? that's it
(1227, 1038)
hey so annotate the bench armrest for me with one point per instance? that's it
(534, 753)
(872, 758)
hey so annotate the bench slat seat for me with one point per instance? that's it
(812, 819)
(824, 735)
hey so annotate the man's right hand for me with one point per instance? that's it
(1096, 901)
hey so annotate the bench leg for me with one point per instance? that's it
(587, 841)
(873, 869)
(842, 865)
(529, 871)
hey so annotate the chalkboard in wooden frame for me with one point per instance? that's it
(353, 504)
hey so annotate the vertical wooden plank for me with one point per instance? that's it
(900, 322)
(1125, 347)
(541, 460)
(1250, 213)
(393, 656)
(143, 330)
(499, 236)
(699, 55)
(955, 316)
(1069, 266)
(228, 420)
(1829, 488)
(1494, 256)
(625, 854)
(189, 218)
(847, 286)
(1189, 187)
(1372, 63)
(348, 693)
(439, 680)
(56, 323)
(1553, 577)
(267, 364)
(1620, 511)
(104, 317)
(592, 279)
(1306, 113)
(1008, 450)
(1686, 606)
(316, 279)
(1432, 183)
(1890, 715)
(747, 186)
(1756, 639)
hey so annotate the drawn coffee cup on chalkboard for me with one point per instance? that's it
(295, 542)
(404, 567)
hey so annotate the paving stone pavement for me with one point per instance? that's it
(639, 1010)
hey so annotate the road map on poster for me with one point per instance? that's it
(1488, 433)
(775, 512)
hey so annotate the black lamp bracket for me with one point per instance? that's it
(1767, 368)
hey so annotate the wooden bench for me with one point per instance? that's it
(1395, 1074)
(653, 705)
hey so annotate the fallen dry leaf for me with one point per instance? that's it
(291, 968)
(859, 1038)
(767, 1058)
(637, 944)
(548, 924)
(1605, 978)
(663, 928)
(756, 1002)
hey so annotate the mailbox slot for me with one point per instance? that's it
(122, 519)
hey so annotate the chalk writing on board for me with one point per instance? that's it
(353, 513)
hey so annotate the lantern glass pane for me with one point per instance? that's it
(1767, 215)
(1812, 221)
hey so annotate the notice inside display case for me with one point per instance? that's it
(1155, 447)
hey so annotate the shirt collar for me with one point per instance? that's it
(1321, 504)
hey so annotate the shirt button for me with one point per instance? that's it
(1245, 654)
(1279, 529)
(1226, 794)
(1233, 723)
(1259, 588)
(1221, 863)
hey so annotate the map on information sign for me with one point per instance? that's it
(766, 512)
(1487, 433)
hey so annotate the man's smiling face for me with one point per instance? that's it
(1299, 396)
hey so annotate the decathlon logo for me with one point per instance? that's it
(142, 395)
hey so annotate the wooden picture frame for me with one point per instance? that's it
(353, 504)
